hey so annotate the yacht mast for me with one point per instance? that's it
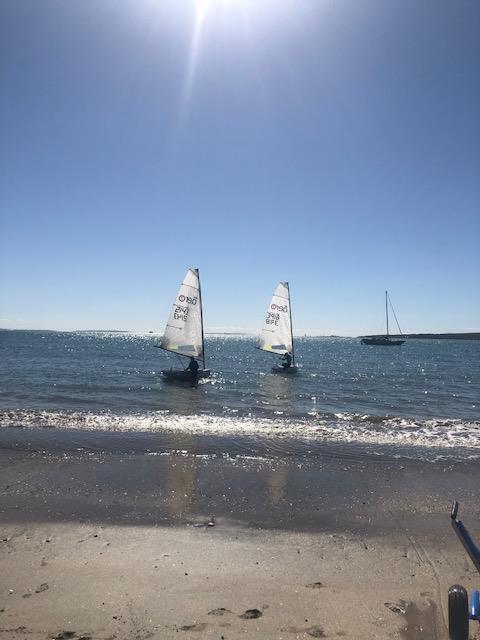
(386, 308)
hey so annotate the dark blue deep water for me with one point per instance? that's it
(423, 394)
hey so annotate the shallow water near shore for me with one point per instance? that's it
(105, 392)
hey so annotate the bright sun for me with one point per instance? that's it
(241, 15)
(202, 7)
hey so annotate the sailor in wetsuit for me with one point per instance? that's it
(287, 361)
(193, 368)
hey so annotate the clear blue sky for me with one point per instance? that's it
(331, 143)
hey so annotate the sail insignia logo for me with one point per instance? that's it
(187, 299)
(279, 307)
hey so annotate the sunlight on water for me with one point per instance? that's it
(424, 394)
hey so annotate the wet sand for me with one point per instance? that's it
(121, 546)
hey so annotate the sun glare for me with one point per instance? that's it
(204, 7)
(244, 16)
(201, 8)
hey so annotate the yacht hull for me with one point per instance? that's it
(383, 342)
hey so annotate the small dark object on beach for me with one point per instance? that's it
(251, 614)
(314, 585)
(64, 635)
(396, 608)
(316, 631)
(43, 587)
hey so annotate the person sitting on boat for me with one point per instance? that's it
(193, 368)
(287, 361)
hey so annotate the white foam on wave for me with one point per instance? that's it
(338, 428)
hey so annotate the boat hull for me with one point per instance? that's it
(180, 375)
(286, 370)
(382, 342)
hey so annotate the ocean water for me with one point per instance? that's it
(105, 389)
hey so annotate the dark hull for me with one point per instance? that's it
(383, 342)
(179, 375)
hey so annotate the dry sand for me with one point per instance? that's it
(134, 547)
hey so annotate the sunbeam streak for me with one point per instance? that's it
(243, 19)
(201, 10)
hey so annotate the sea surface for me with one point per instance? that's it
(104, 390)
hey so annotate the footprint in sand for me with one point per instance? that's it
(397, 608)
(221, 611)
(43, 587)
(251, 614)
(71, 635)
(200, 626)
(315, 631)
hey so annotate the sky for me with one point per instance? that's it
(334, 144)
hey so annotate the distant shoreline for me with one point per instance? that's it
(411, 336)
(437, 336)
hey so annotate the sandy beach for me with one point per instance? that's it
(111, 546)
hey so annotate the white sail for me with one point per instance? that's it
(276, 335)
(183, 333)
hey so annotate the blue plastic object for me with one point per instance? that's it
(475, 605)
(465, 538)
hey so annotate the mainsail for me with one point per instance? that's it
(276, 335)
(183, 333)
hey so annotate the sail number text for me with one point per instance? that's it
(272, 318)
(180, 313)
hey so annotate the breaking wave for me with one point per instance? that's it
(313, 429)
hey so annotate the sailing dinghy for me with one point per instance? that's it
(184, 331)
(277, 334)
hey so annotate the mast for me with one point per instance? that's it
(291, 326)
(386, 308)
(201, 315)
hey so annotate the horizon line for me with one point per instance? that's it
(249, 333)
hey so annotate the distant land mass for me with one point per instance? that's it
(437, 336)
